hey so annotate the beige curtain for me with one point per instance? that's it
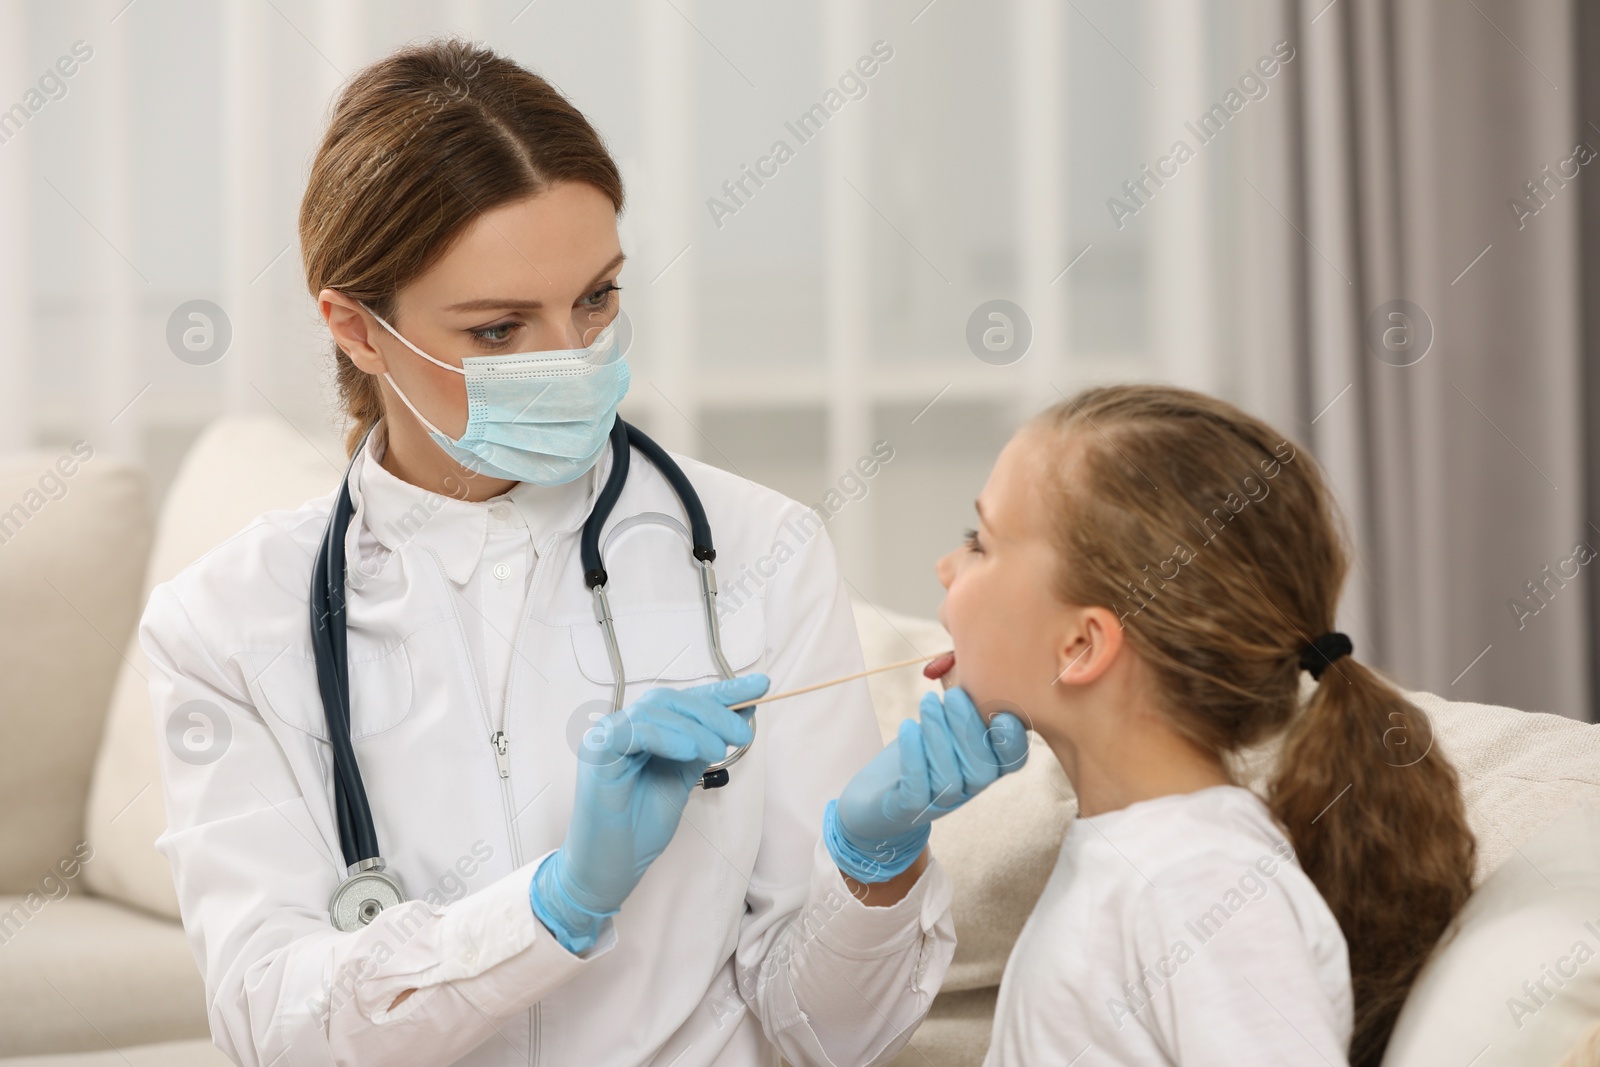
(1424, 180)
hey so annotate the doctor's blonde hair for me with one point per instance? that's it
(1223, 551)
(419, 144)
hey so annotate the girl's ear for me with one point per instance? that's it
(1091, 643)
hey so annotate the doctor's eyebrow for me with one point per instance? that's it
(491, 303)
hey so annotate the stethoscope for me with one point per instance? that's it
(367, 887)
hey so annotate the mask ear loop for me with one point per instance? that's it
(407, 400)
(408, 344)
(420, 416)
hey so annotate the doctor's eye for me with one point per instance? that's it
(493, 336)
(600, 299)
(970, 539)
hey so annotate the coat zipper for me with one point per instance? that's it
(497, 739)
(503, 762)
(501, 745)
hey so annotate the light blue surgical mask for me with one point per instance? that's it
(540, 417)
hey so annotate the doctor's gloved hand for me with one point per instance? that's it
(636, 769)
(880, 823)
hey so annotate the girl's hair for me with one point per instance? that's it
(419, 144)
(1215, 540)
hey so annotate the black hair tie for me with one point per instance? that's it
(1321, 652)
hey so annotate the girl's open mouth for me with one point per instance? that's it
(938, 668)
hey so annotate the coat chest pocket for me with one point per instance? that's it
(381, 692)
(668, 646)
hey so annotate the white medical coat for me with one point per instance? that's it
(741, 940)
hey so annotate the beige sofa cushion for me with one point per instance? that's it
(1519, 983)
(237, 469)
(79, 973)
(72, 556)
(197, 1053)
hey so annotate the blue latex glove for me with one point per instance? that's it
(880, 823)
(636, 769)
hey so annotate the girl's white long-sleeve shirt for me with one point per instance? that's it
(476, 665)
(1180, 931)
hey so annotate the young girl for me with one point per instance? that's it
(1151, 572)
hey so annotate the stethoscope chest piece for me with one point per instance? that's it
(361, 896)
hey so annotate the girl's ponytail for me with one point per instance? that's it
(1221, 548)
(1376, 816)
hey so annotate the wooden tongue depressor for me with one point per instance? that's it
(836, 681)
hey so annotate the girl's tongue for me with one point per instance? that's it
(940, 666)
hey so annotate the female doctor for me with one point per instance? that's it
(571, 893)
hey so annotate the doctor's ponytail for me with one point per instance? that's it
(1220, 547)
(419, 144)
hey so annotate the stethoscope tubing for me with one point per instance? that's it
(358, 837)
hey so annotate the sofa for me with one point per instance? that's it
(95, 969)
